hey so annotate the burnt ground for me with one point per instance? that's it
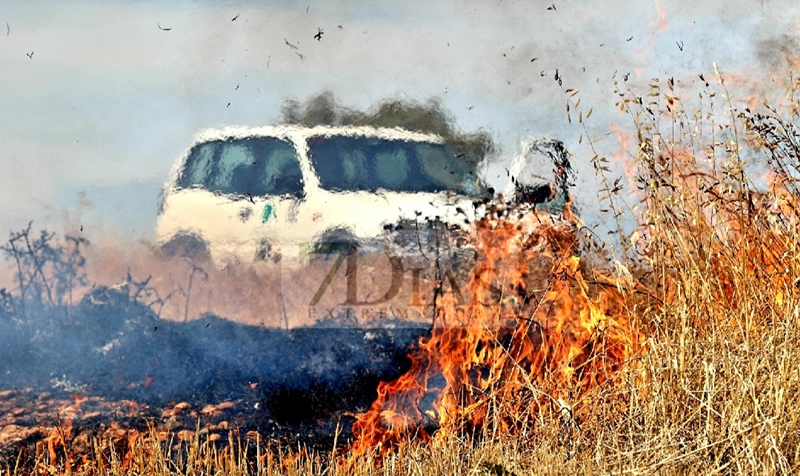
(111, 366)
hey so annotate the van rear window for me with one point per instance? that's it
(372, 164)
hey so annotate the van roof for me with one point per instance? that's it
(292, 130)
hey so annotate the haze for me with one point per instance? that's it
(98, 99)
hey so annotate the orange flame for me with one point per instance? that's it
(658, 26)
(535, 337)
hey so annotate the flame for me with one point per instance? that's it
(699, 208)
(660, 25)
(751, 101)
(535, 338)
(623, 155)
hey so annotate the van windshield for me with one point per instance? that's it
(370, 164)
(255, 166)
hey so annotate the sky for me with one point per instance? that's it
(99, 99)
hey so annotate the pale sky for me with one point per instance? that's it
(98, 99)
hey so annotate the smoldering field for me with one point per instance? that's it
(81, 320)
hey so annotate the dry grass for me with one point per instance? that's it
(716, 261)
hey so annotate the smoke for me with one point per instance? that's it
(491, 64)
(430, 116)
(63, 330)
(778, 52)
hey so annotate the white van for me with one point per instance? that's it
(311, 206)
(242, 195)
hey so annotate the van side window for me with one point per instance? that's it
(258, 166)
(371, 164)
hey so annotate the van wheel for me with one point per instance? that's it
(335, 240)
(186, 245)
(337, 235)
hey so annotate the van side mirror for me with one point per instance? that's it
(542, 175)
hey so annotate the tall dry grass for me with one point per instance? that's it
(714, 264)
(717, 247)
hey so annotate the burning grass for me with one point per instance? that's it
(533, 345)
(674, 351)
